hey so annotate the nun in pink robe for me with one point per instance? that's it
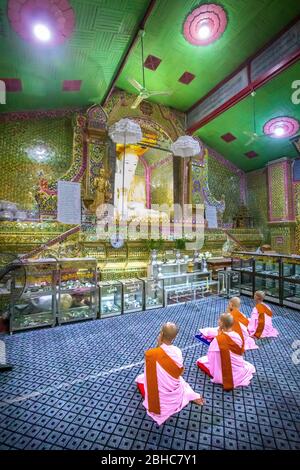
(174, 394)
(249, 342)
(269, 331)
(242, 371)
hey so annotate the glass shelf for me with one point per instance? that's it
(154, 293)
(291, 294)
(187, 287)
(270, 286)
(110, 298)
(133, 298)
(77, 289)
(37, 305)
(242, 264)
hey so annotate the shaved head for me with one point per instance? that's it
(169, 331)
(226, 321)
(259, 295)
(235, 302)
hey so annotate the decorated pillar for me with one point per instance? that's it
(281, 211)
(99, 176)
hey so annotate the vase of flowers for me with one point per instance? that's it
(205, 257)
(154, 256)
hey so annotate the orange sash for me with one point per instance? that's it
(239, 318)
(227, 345)
(151, 358)
(262, 310)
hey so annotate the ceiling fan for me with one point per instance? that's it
(253, 135)
(143, 92)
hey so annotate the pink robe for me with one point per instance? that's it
(242, 371)
(249, 342)
(268, 332)
(174, 394)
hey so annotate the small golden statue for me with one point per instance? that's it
(102, 188)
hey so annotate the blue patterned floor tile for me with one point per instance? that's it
(106, 411)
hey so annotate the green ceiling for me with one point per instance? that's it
(103, 31)
(251, 23)
(272, 100)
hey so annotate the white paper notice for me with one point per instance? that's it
(211, 216)
(69, 202)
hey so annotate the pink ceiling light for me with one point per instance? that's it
(42, 21)
(205, 24)
(281, 127)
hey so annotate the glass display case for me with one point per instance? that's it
(229, 283)
(171, 268)
(77, 289)
(291, 282)
(267, 277)
(110, 298)
(133, 300)
(267, 266)
(291, 268)
(270, 285)
(153, 293)
(277, 275)
(247, 283)
(36, 307)
(291, 293)
(182, 288)
(243, 264)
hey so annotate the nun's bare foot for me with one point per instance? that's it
(200, 401)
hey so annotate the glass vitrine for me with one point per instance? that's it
(36, 307)
(153, 293)
(110, 298)
(169, 268)
(291, 268)
(187, 287)
(243, 264)
(133, 300)
(291, 281)
(77, 293)
(267, 266)
(229, 283)
(246, 286)
(271, 287)
(291, 294)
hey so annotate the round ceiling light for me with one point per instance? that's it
(49, 21)
(205, 24)
(204, 31)
(281, 127)
(42, 32)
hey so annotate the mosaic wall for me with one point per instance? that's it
(297, 213)
(222, 181)
(277, 204)
(258, 201)
(213, 180)
(31, 149)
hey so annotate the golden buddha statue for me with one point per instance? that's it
(102, 188)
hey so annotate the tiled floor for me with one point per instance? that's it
(73, 387)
